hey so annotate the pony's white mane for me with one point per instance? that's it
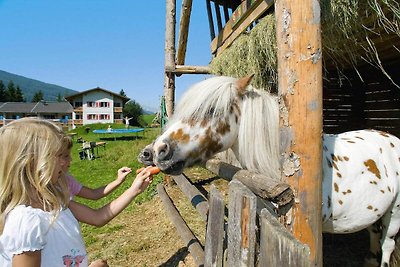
(258, 139)
(215, 93)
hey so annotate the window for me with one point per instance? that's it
(104, 116)
(91, 116)
(91, 104)
(77, 104)
(104, 104)
(78, 116)
(117, 104)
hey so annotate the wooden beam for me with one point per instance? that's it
(210, 19)
(199, 202)
(276, 191)
(298, 31)
(183, 230)
(181, 69)
(233, 29)
(183, 31)
(169, 78)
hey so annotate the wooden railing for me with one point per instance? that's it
(245, 239)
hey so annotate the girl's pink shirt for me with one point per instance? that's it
(73, 185)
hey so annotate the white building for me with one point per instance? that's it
(97, 105)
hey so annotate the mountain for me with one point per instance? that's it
(30, 86)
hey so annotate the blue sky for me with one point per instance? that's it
(113, 44)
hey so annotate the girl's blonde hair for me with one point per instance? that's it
(29, 155)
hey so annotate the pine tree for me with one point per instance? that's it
(60, 98)
(38, 96)
(3, 93)
(19, 96)
(11, 92)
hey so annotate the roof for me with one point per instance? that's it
(70, 97)
(39, 107)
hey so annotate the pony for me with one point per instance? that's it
(360, 187)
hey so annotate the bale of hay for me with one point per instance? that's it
(354, 32)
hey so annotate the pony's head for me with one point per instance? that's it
(209, 119)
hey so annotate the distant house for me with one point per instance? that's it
(96, 105)
(59, 112)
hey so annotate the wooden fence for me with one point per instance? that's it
(251, 235)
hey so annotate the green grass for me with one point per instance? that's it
(148, 118)
(94, 173)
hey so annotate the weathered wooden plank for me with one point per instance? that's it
(183, 31)
(241, 225)
(213, 249)
(262, 186)
(183, 230)
(229, 34)
(169, 55)
(181, 69)
(197, 199)
(278, 247)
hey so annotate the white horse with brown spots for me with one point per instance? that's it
(360, 168)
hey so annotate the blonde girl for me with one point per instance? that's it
(37, 228)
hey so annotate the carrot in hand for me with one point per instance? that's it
(153, 170)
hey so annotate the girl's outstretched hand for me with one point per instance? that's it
(142, 180)
(122, 173)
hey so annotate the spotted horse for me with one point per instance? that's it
(360, 168)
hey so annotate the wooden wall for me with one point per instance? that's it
(353, 105)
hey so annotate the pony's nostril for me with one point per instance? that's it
(146, 156)
(164, 151)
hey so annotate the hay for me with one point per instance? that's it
(352, 33)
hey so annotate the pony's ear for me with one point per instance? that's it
(242, 83)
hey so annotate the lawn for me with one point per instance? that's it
(122, 151)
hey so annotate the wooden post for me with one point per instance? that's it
(213, 250)
(241, 225)
(169, 78)
(183, 31)
(298, 32)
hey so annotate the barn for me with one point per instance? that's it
(354, 50)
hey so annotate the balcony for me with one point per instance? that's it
(117, 109)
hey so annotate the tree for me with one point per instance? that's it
(3, 93)
(19, 96)
(38, 96)
(60, 98)
(122, 93)
(133, 110)
(11, 92)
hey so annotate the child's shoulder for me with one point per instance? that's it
(29, 215)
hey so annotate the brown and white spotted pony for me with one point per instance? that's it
(360, 168)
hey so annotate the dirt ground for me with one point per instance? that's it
(147, 237)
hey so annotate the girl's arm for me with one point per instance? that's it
(103, 191)
(27, 259)
(100, 217)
